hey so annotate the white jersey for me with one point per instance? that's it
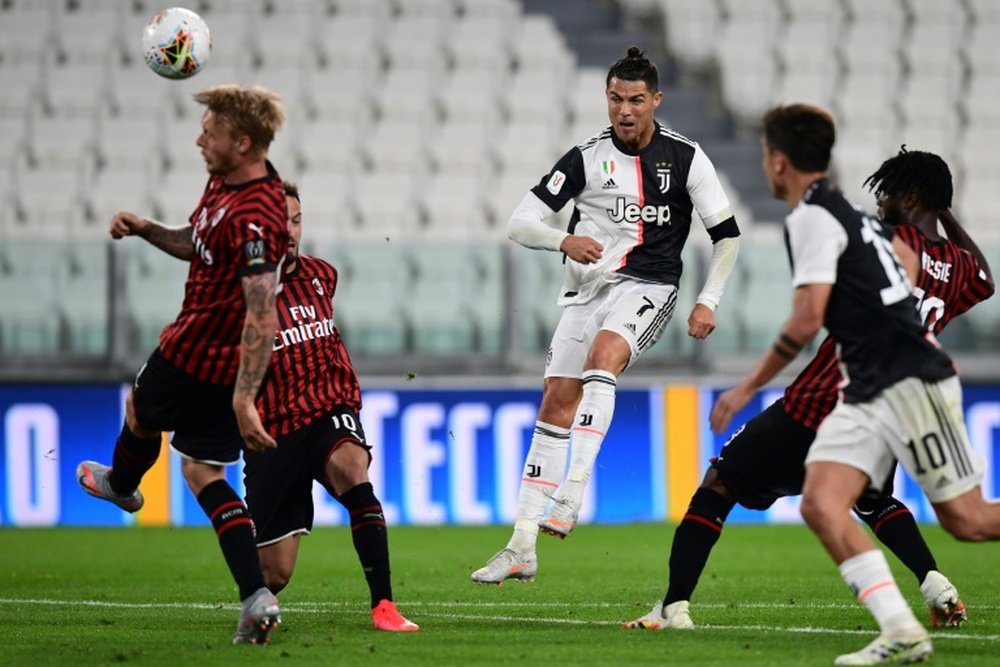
(637, 205)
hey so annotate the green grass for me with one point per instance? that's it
(769, 596)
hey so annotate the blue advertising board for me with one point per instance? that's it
(450, 456)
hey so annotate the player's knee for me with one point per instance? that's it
(132, 421)
(814, 511)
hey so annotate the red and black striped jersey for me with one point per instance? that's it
(238, 230)
(949, 283)
(310, 371)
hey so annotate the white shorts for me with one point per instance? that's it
(919, 424)
(637, 311)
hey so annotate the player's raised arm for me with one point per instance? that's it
(957, 235)
(176, 242)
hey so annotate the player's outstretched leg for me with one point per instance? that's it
(93, 478)
(593, 416)
(543, 470)
(258, 616)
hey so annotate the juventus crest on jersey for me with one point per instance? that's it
(638, 205)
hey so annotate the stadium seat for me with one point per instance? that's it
(21, 83)
(48, 202)
(340, 93)
(978, 150)
(507, 10)
(867, 99)
(690, 29)
(527, 146)
(830, 13)
(32, 271)
(127, 142)
(587, 102)
(866, 44)
(455, 306)
(350, 43)
(407, 95)
(537, 279)
(453, 208)
(981, 102)
(385, 204)
(441, 10)
(93, 35)
(984, 11)
(461, 148)
(379, 10)
(113, 190)
(506, 192)
(371, 296)
(545, 88)
(27, 34)
(416, 43)
(480, 44)
(762, 294)
(176, 195)
(285, 39)
(232, 30)
(396, 146)
(324, 145)
(537, 44)
(931, 48)
(325, 206)
(471, 96)
(62, 143)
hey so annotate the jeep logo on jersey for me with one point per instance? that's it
(634, 213)
(663, 176)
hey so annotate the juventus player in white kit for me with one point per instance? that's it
(900, 398)
(635, 186)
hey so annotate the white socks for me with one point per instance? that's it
(543, 470)
(589, 427)
(869, 577)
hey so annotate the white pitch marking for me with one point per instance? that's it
(320, 607)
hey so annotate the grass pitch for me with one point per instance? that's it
(769, 596)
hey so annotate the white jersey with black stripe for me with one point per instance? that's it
(637, 204)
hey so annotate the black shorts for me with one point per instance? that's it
(765, 459)
(199, 413)
(279, 482)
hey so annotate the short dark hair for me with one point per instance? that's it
(291, 190)
(803, 132)
(635, 66)
(925, 174)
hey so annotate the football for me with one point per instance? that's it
(176, 43)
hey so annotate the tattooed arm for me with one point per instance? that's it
(255, 353)
(176, 242)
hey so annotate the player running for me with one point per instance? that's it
(901, 396)
(310, 401)
(764, 460)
